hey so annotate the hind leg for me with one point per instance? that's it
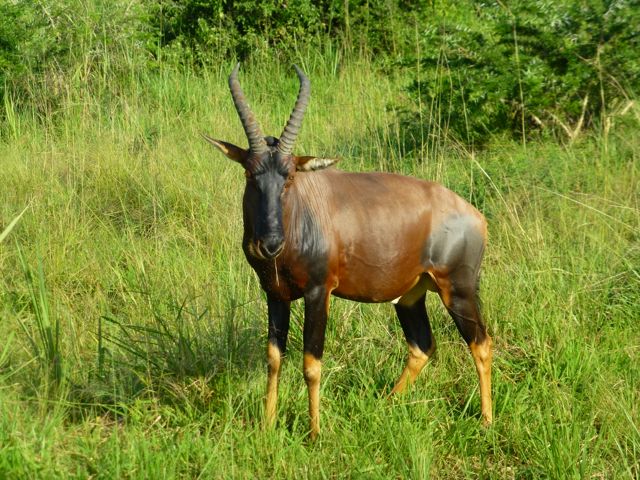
(417, 331)
(458, 292)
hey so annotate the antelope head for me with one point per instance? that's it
(270, 166)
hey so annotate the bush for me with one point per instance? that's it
(536, 65)
(482, 68)
(17, 24)
(206, 28)
(203, 29)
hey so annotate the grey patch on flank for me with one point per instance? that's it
(458, 238)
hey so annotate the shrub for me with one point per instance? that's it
(531, 66)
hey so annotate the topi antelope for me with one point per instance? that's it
(311, 231)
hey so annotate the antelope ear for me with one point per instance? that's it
(308, 164)
(233, 152)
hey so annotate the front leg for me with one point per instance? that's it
(279, 312)
(316, 310)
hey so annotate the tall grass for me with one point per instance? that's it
(161, 326)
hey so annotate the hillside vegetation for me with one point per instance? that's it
(134, 330)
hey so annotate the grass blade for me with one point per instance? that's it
(5, 233)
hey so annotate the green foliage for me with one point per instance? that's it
(145, 297)
(480, 69)
(217, 28)
(526, 66)
(209, 29)
(45, 342)
(134, 337)
(46, 46)
(17, 23)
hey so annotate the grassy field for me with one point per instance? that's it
(135, 332)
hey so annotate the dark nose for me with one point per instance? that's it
(272, 245)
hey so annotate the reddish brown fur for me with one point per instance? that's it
(367, 261)
(312, 231)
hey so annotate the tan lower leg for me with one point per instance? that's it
(415, 363)
(274, 360)
(312, 368)
(482, 355)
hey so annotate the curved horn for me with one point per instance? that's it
(288, 137)
(251, 128)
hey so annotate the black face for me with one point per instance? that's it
(268, 182)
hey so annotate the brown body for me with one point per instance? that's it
(311, 231)
(375, 227)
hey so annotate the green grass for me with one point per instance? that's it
(135, 332)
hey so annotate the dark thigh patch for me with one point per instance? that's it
(458, 241)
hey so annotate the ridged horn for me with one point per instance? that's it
(257, 145)
(288, 137)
